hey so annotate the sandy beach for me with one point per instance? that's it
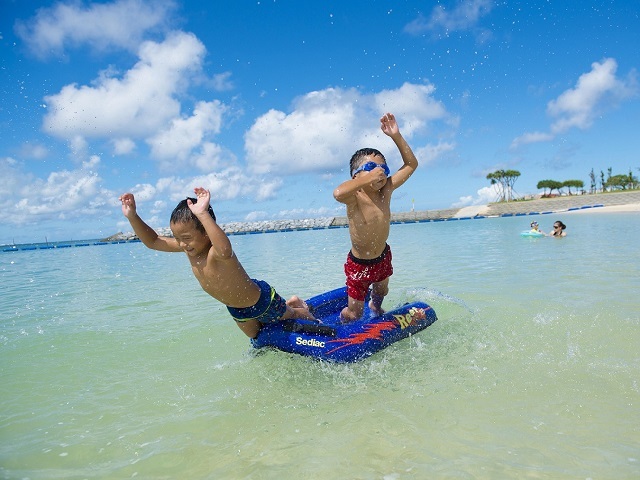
(564, 205)
(594, 203)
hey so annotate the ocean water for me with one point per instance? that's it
(115, 364)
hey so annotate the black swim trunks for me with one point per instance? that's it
(269, 308)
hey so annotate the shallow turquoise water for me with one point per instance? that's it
(114, 364)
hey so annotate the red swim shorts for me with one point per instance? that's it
(361, 273)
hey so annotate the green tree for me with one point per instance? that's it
(592, 177)
(618, 182)
(551, 185)
(573, 183)
(504, 181)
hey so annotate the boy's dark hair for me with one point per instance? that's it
(183, 214)
(357, 157)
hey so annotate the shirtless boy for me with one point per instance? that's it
(368, 199)
(215, 265)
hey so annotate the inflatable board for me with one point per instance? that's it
(532, 233)
(334, 341)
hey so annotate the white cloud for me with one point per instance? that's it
(464, 16)
(175, 145)
(143, 192)
(123, 146)
(578, 107)
(220, 82)
(413, 106)
(78, 147)
(533, 137)
(211, 157)
(255, 216)
(326, 127)
(483, 196)
(431, 153)
(158, 206)
(120, 24)
(143, 104)
(136, 105)
(11, 181)
(595, 90)
(227, 184)
(63, 194)
(313, 137)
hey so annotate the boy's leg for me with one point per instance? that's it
(353, 310)
(250, 328)
(378, 292)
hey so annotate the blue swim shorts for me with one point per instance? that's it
(269, 308)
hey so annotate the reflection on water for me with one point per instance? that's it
(115, 364)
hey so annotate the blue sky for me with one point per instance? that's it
(264, 102)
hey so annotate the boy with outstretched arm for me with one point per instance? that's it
(215, 265)
(368, 199)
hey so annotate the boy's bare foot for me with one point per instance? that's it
(301, 308)
(376, 311)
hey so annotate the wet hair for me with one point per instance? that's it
(183, 214)
(357, 157)
(562, 225)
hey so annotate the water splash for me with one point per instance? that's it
(431, 295)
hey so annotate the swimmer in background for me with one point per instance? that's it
(558, 229)
(214, 263)
(535, 228)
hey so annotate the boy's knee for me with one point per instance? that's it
(295, 301)
(250, 328)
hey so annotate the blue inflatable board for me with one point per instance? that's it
(334, 341)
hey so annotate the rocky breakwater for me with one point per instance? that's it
(265, 226)
(241, 228)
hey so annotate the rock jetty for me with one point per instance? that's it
(523, 207)
(243, 228)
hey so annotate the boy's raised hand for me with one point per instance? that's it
(389, 125)
(128, 204)
(202, 205)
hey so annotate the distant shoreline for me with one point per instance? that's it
(573, 204)
(605, 202)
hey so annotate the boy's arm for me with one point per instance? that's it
(145, 233)
(389, 126)
(220, 243)
(346, 191)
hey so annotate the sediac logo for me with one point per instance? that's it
(312, 342)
